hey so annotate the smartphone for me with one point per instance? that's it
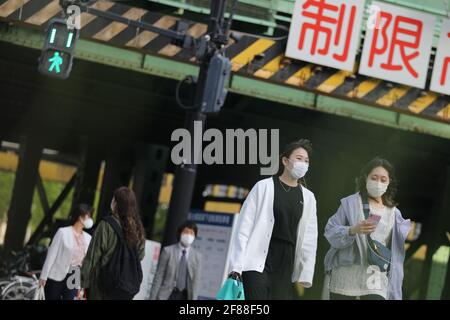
(374, 218)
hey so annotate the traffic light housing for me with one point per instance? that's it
(215, 92)
(57, 54)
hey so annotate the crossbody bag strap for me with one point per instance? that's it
(372, 246)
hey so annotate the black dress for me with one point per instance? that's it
(274, 283)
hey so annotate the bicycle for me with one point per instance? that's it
(21, 287)
(20, 283)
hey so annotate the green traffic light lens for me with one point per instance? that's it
(69, 40)
(52, 36)
(55, 63)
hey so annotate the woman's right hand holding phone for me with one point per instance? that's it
(363, 227)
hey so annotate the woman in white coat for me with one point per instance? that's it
(65, 256)
(276, 238)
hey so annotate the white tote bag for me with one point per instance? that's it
(39, 294)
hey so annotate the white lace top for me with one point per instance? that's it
(78, 250)
(359, 280)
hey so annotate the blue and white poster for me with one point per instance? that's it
(215, 231)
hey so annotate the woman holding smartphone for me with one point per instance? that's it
(348, 260)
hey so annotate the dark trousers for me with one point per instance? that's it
(178, 295)
(335, 296)
(275, 282)
(267, 286)
(58, 290)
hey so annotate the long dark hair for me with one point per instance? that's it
(289, 149)
(80, 210)
(127, 209)
(389, 197)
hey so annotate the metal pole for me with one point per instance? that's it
(19, 212)
(184, 182)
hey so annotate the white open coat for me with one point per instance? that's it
(250, 243)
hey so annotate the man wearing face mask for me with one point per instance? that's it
(65, 256)
(179, 268)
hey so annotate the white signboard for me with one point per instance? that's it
(398, 47)
(440, 81)
(149, 265)
(326, 32)
(215, 231)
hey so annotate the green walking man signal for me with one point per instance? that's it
(56, 62)
(57, 54)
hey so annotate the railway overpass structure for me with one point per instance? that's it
(118, 108)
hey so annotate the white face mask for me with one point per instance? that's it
(299, 169)
(187, 239)
(88, 223)
(113, 204)
(376, 189)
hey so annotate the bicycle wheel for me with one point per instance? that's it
(18, 291)
(4, 283)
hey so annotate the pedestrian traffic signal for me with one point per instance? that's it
(57, 54)
(215, 90)
(55, 62)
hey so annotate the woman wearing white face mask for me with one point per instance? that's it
(179, 268)
(367, 236)
(65, 255)
(276, 238)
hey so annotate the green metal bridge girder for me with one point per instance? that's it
(281, 10)
(436, 7)
(169, 68)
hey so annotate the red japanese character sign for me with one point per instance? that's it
(326, 32)
(440, 81)
(398, 47)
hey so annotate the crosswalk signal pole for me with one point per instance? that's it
(210, 92)
(209, 98)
